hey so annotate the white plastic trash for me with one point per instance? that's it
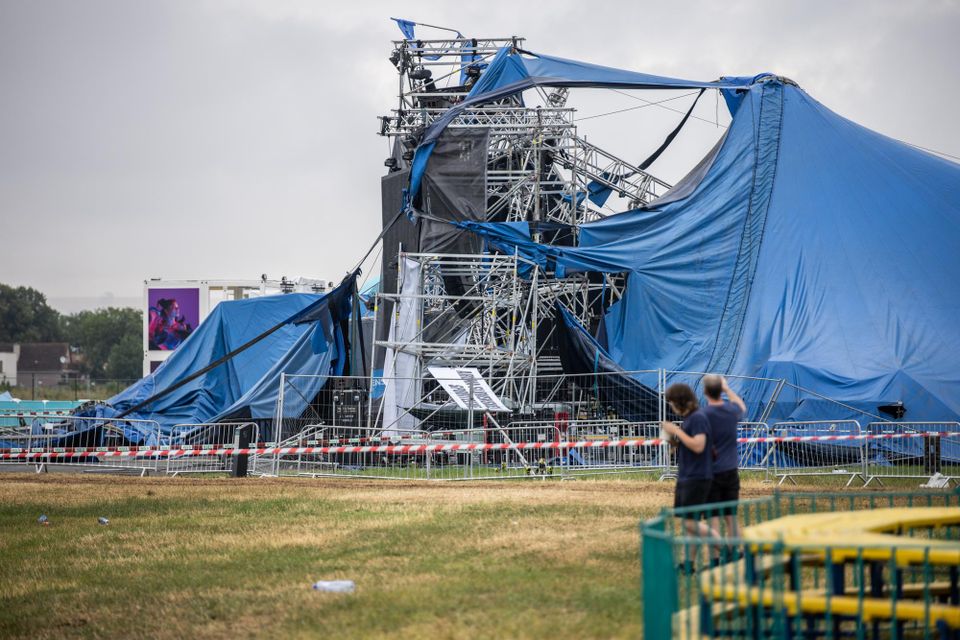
(936, 481)
(335, 586)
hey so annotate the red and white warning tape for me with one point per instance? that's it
(415, 449)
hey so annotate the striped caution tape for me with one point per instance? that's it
(416, 449)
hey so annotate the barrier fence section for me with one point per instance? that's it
(598, 408)
(906, 450)
(110, 445)
(320, 450)
(487, 453)
(735, 580)
(542, 408)
(656, 458)
(835, 453)
(753, 452)
(209, 436)
(50, 434)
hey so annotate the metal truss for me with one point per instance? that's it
(495, 323)
(496, 316)
(538, 166)
(501, 119)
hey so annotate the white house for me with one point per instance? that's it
(9, 354)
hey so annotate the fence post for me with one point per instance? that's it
(661, 391)
(863, 455)
(278, 424)
(771, 457)
(659, 599)
(865, 452)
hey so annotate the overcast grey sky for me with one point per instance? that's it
(204, 139)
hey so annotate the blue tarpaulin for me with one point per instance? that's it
(312, 341)
(806, 247)
(512, 72)
(406, 27)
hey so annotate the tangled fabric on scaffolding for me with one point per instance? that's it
(513, 71)
(401, 388)
(805, 247)
(313, 340)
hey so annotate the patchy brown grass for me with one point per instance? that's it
(218, 558)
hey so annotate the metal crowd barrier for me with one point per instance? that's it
(786, 451)
(366, 464)
(913, 450)
(754, 455)
(613, 460)
(205, 435)
(482, 464)
(135, 446)
(52, 435)
(356, 454)
(602, 447)
(838, 451)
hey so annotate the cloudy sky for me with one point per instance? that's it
(203, 139)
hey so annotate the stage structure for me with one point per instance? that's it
(564, 290)
(447, 300)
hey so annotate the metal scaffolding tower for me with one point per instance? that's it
(489, 311)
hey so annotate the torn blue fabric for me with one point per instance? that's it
(406, 28)
(809, 248)
(512, 72)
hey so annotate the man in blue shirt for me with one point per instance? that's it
(724, 417)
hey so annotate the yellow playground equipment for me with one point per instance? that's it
(877, 565)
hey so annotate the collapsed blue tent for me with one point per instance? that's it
(229, 368)
(512, 71)
(803, 247)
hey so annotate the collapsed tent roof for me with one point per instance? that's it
(803, 247)
(512, 71)
(233, 361)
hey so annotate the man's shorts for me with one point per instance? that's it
(725, 488)
(691, 493)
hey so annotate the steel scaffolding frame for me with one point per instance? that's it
(494, 325)
(538, 170)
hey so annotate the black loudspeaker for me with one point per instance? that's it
(348, 402)
(238, 466)
(895, 411)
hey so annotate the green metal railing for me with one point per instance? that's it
(719, 579)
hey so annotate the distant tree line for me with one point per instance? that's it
(110, 340)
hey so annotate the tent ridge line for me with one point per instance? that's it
(751, 238)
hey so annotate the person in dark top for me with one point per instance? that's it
(724, 417)
(694, 460)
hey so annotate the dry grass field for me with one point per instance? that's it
(220, 558)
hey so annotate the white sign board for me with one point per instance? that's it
(458, 381)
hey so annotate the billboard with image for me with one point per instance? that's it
(172, 315)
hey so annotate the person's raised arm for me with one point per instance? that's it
(732, 395)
